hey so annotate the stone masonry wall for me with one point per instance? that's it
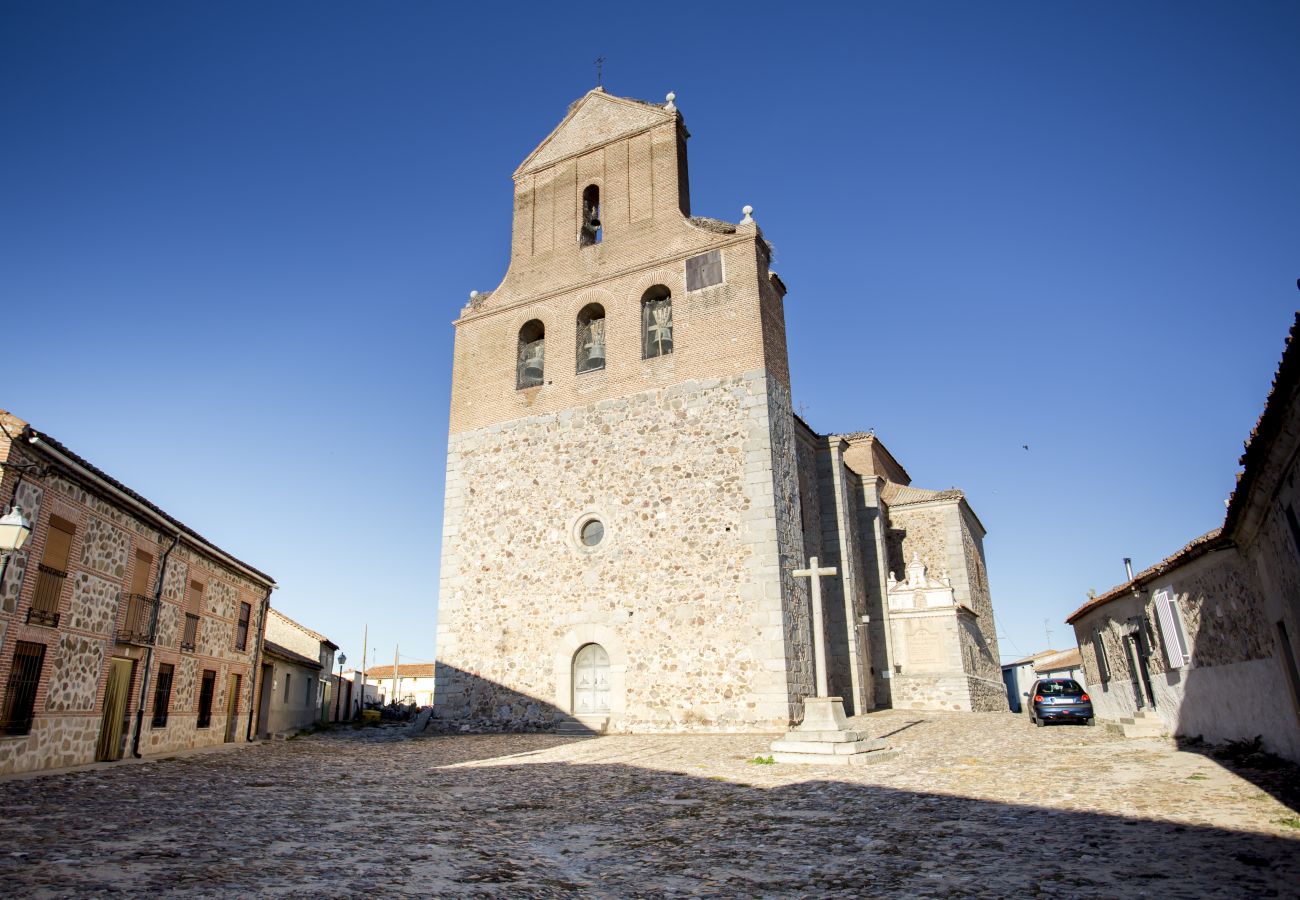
(688, 592)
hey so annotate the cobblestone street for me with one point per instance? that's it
(973, 805)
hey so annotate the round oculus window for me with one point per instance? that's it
(591, 532)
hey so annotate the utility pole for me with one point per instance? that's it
(1047, 631)
(395, 649)
(365, 640)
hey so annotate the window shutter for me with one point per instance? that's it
(1099, 649)
(1171, 629)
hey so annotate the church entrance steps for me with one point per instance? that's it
(586, 725)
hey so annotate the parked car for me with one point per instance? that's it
(1058, 700)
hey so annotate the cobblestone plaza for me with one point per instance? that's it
(973, 805)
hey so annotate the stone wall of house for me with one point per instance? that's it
(1231, 686)
(689, 591)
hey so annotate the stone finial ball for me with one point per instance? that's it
(671, 97)
(473, 294)
(747, 210)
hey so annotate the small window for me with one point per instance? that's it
(704, 270)
(206, 690)
(531, 365)
(51, 573)
(656, 322)
(194, 598)
(591, 231)
(1294, 525)
(591, 338)
(140, 574)
(307, 698)
(287, 678)
(1099, 650)
(162, 695)
(20, 690)
(241, 630)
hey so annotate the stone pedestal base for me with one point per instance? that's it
(823, 738)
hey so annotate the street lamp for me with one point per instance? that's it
(338, 692)
(15, 529)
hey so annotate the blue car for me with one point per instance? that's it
(1058, 700)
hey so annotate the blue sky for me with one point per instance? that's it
(233, 238)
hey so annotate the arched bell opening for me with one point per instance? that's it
(530, 368)
(656, 322)
(591, 231)
(591, 338)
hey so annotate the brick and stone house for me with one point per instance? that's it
(295, 676)
(1205, 642)
(629, 491)
(122, 630)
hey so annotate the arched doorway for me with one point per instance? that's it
(590, 680)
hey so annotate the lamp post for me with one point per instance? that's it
(338, 686)
(15, 529)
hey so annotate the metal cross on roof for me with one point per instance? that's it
(600, 64)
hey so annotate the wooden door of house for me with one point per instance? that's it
(232, 708)
(112, 725)
(591, 681)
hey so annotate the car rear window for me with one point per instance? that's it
(1064, 687)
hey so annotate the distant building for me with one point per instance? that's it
(122, 630)
(1062, 664)
(295, 676)
(1205, 642)
(351, 696)
(413, 683)
(1019, 675)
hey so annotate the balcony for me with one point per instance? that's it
(45, 605)
(190, 639)
(138, 627)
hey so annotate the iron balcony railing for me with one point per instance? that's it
(191, 632)
(45, 605)
(138, 626)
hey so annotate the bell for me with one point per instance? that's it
(533, 362)
(594, 223)
(595, 352)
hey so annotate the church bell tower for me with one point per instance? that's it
(622, 505)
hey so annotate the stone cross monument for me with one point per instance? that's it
(823, 736)
(814, 575)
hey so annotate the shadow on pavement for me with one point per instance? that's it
(402, 819)
(1248, 760)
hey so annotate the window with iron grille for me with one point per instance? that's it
(162, 695)
(206, 690)
(704, 270)
(51, 573)
(241, 630)
(20, 691)
(191, 632)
